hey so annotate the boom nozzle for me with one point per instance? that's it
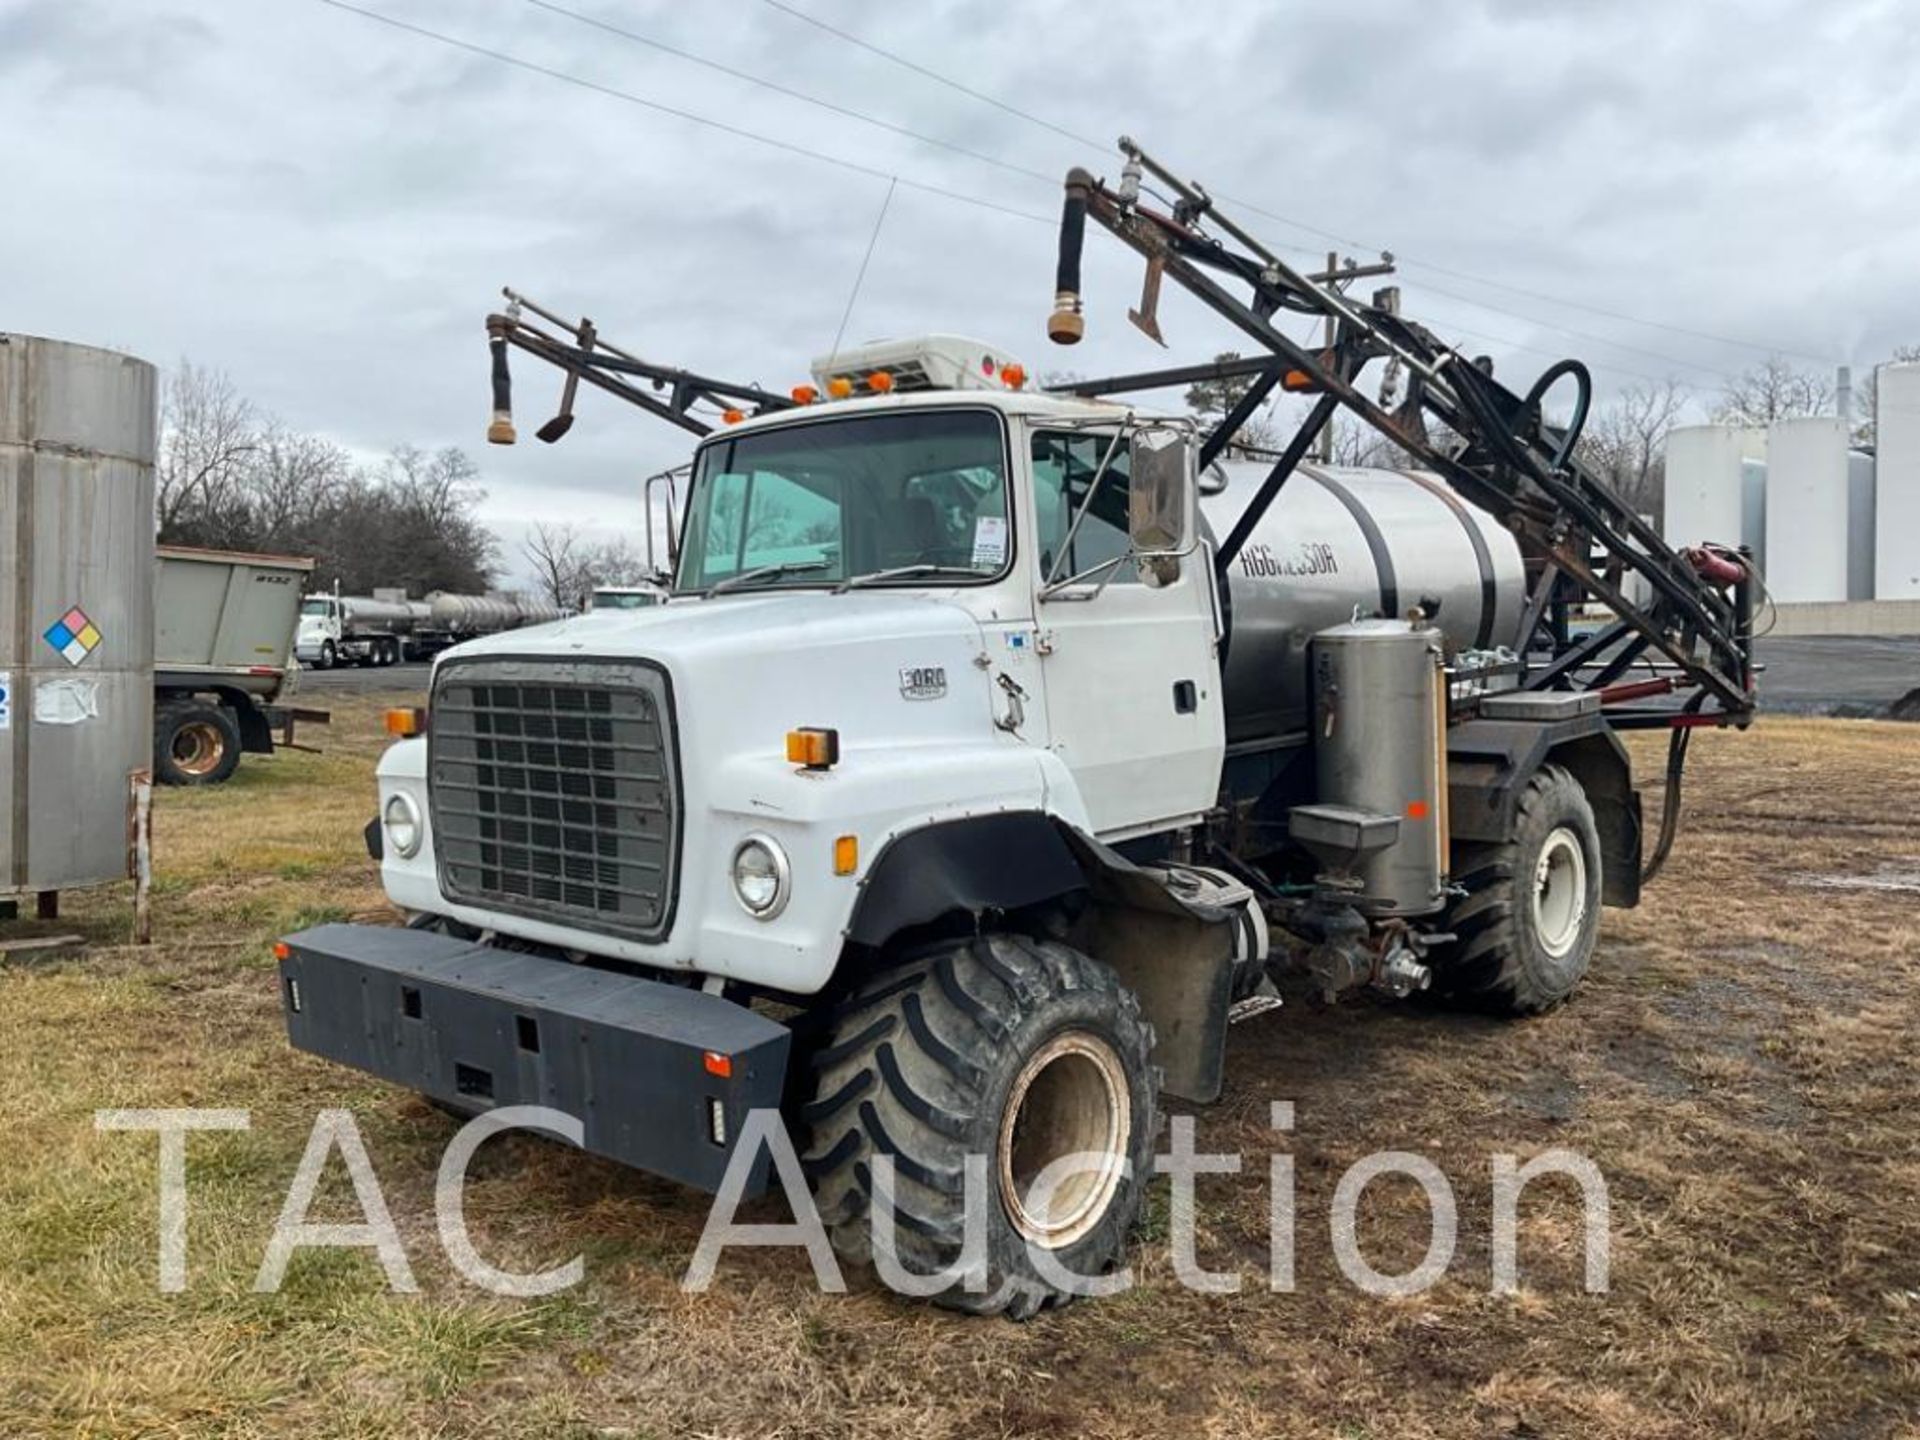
(1066, 324)
(500, 429)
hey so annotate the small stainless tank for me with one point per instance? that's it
(1379, 745)
(77, 438)
(1338, 538)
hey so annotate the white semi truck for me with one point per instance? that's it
(386, 628)
(991, 747)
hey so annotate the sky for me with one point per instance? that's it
(325, 207)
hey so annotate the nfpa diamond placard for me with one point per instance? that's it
(73, 635)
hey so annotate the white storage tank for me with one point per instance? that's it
(1860, 524)
(1896, 551)
(1706, 484)
(1807, 508)
(77, 438)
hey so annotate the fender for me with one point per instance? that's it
(1489, 760)
(1176, 956)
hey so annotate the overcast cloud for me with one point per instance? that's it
(325, 207)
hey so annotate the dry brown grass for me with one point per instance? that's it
(1741, 1065)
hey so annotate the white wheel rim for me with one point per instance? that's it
(1070, 1098)
(1560, 892)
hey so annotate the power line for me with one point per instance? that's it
(791, 94)
(502, 57)
(1302, 225)
(933, 75)
(861, 277)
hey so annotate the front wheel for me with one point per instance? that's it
(1531, 916)
(328, 655)
(1021, 1052)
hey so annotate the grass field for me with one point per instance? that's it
(1741, 1065)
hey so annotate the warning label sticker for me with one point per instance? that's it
(6, 700)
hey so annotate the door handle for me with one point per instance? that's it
(1186, 697)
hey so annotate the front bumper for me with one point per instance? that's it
(641, 1063)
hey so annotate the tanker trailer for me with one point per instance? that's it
(340, 629)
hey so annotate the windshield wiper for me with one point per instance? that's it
(901, 572)
(764, 572)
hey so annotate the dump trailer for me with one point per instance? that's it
(223, 636)
(387, 628)
(996, 748)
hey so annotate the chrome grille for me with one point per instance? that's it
(552, 789)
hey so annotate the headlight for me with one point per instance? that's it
(402, 819)
(761, 877)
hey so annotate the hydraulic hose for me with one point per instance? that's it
(1583, 380)
(500, 429)
(1066, 325)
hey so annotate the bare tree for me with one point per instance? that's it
(208, 433)
(1210, 400)
(293, 480)
(1625, 441)
(1773, 390)
(616, 562)
(559, 561)
(1358, 444)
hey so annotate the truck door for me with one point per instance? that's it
(1132, 681)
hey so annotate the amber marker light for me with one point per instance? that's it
(805, 394)
(839, 387)
(846, 854)
(1013, 376)
(282, 950)
(880, 382)
(733, 417)
(407, 722)
(815, 748)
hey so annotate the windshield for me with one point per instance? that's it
(923, 493)
(623, 599)
(314, 607)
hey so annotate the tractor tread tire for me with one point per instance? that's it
(916, 1065)
(1494, 963)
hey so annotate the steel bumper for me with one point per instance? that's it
(646, 1066)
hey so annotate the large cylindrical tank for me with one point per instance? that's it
(1706, 484)
(1379, 746)
(1807, 508)
(472, 614)
(1340, 539)
(78, 432)
(368, 612)
(1896, 484)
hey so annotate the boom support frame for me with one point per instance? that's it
(1495, 447)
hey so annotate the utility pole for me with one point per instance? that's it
(1326, 431)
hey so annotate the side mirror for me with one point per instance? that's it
(1160, 499)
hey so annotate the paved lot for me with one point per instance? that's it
(1822, 675)
(354, 679)
(1804, 676)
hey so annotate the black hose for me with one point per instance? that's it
(1583, 379)
(1670, 804)
(1065, 326)
(500, 430)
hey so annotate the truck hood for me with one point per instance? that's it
(880, 666)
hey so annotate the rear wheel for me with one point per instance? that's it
(194, 743)
(1016, 1050)
(1531, 916)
